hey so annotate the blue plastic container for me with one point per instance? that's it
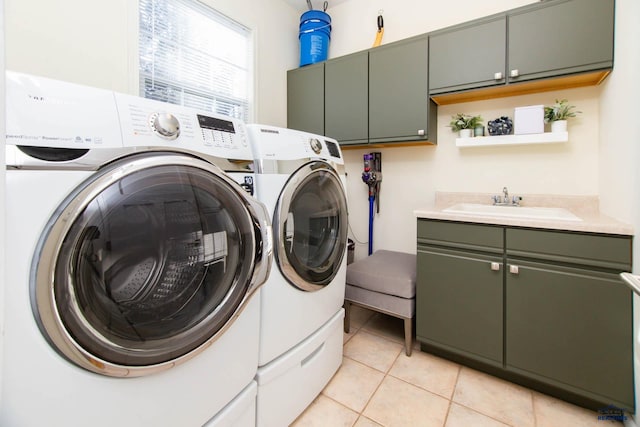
(315, 35)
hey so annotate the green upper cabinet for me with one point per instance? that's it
(346, 99)
(305, 98)
(399, 105)
(543, 42)
(560, 37)
(469, 56)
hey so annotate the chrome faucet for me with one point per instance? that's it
(504, 200)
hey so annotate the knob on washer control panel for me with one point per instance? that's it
(165, 125)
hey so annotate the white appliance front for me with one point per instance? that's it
(133, 271)
(304, 193)
(300, 178)
(290, 383)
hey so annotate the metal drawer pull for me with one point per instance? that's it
(495, 266)
(513, 269)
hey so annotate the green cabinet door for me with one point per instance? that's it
(468, 56)
(305, 98)
(560, 37)
(571, 328)
(459, 303)
(346, 98)
(399, 105)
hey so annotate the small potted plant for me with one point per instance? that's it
(558, 113)
(464, 124)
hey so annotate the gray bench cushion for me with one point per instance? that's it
(387, 272)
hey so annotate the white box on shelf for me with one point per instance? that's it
(528, 120)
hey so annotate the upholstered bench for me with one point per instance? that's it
(384, 282)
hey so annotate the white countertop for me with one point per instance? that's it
(585, 207)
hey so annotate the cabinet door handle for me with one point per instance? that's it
(513, 269)
(515, 73)
(420, 132)
(497, 76)
(495, 266)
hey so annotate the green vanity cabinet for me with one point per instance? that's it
(538, 41)
(400, 109)
(347, 99)
(305, 98)
(468, 56)
(542, 308)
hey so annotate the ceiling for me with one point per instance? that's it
(301, 5)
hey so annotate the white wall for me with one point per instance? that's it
(2, 192)
(619, 151)
(412, 175)
(94, 42)
(354, 22)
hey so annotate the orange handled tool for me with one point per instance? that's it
(380, 32)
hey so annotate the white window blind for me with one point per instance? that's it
(194, 56)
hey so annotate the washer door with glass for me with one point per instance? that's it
(310, 226)
(148, 262)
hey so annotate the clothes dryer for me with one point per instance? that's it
(134, 263)
(300, 178)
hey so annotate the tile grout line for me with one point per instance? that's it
(386, 373)
(453, 393)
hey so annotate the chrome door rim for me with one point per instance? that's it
(44, 263)
(280, 216)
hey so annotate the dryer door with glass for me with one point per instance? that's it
(148, 262)
(310, 226)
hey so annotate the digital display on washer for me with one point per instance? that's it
(207, 122)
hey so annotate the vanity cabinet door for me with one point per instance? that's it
(459, 303)
(305, 98)
(468, 56)
(571, 328)
(459, 289)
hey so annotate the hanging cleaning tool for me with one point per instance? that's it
(309, 5)
(372, 176)
(380, 32)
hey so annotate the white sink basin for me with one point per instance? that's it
(525, 212)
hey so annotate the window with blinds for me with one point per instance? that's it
(192, 55)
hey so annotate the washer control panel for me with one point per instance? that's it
(149, 123)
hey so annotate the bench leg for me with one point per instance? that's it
(347, 317)
(408, 335)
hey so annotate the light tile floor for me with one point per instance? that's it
(378, 385)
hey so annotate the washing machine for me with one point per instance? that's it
(134, 263)
(300, 178)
